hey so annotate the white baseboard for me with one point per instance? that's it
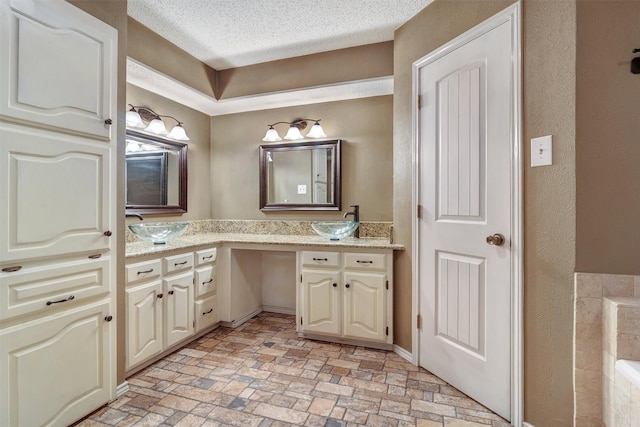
(122, 389)
(403, 353)
(527, 425)
(281, 310)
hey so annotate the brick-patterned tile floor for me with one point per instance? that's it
(262, 375)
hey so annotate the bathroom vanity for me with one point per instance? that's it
(339, 291)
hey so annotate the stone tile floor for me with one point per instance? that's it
(261, 374)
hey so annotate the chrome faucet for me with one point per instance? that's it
(136, 215)
(356, 217)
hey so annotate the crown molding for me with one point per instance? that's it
(154, 81)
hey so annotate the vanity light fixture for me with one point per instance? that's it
(294, 130)
(136, 117)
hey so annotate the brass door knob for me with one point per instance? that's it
(495, 239)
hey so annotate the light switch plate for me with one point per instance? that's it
(302, 189)
(541, 151)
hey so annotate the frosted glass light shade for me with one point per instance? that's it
(134, 120)
(293, 134)
(271, 136)
(178, 133)
(157, 126)
(316, 131)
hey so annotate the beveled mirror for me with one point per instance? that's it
(301, 176)
(156, 175)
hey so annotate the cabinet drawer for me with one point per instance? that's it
(46, 287)
(205, 280)
(320, 259)
(143, 270)
(206, 256)
(178, 262)
(366, 261)
(206, 312)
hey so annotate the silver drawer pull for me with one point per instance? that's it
(146, 271)
(207, 312)
(364, 262)
(175, 264)
(62, 300)
(207, 282)
(320, 259)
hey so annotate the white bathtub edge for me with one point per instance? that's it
(630, 369)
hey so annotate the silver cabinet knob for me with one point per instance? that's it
(495, 239)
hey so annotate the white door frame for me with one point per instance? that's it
(511, 14)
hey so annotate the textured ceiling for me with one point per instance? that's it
(233, 33)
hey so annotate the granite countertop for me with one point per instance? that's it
(138, 249)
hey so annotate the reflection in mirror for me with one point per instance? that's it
(156, 175)
(300, 176)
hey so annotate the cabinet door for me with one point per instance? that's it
(320, 301)
(58, 188)
(364, 306)
(56, 369)
(179, 308)
(59, 67)
(144, 322)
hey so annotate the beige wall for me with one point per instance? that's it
(149, 48)
(355, 63)
(197, 126)
(114, 13)
(549, 108)
(365, 126)
(608, 138)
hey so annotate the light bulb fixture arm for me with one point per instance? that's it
(148, 115)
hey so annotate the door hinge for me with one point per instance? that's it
(419, 211)
(301, 278)
(419, 102)
(387, 330)
(301, 320)
(419, 321)
(387, 285)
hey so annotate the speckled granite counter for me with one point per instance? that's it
(138, 249)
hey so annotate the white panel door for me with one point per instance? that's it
(58, 188)
(144, 322)
(465, 140)
(178, 313)
(56, 369)
(364, 306)
(320, 301)
(62, 68)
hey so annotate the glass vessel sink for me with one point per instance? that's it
(159, 233)
(335, 230)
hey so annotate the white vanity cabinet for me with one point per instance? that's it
(346, 296)
(58, 99)
(169, 299)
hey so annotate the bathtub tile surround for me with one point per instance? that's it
(263, 374)
(621, 344)
(591, 363)
(376, 229)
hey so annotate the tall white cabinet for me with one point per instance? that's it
(58, 215)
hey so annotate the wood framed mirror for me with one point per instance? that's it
(301, 176)
(156, 175)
